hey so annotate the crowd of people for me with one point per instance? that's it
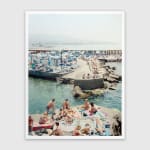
(90, 76)
(93, 65)
(67, 114)
(95, 69)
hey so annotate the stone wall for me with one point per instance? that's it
(89, 84)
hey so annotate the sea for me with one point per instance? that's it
(42, 91)
(77, 46)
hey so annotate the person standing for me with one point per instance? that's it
(86, 105)
(30, 125)
(51, 106)
(66, 104)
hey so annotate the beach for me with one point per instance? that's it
(105, 116)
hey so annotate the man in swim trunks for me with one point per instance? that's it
(51, 105)
(93, 110)
(86, 105)
(66, 104)
(57, 131)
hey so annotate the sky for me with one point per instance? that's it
(88, 28)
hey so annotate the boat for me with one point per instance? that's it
(48, 74)
(48, 65)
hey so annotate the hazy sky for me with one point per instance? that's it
(76, 27)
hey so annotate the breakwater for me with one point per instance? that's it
(50, 89)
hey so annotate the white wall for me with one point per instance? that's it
(12, 73)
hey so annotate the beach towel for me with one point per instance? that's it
(100, 115)
(37, 126)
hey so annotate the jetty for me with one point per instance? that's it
(86, 69)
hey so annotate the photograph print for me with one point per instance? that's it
(74, 74)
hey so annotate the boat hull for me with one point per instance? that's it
(45, 75)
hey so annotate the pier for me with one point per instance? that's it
(82, 68)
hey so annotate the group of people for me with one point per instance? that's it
(67, 114)
(64, 112)
(89, 76)
(51, 105)
(89, 107)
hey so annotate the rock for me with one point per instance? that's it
(115, 76)
(106, 85)
(112, 80)
(97, 92)
(113, 86)
(77, 92)
(116, 125)
(113, 68)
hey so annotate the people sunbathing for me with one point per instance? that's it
(93, 109)
(99, 127)
(44, 118)
(70, 116)
(69, 119)
(57, 131)
(77, 131)
(83, 76)
(88, 76)
(86, 129)
(86, 105)
(60, 114)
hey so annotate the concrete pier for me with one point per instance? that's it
(89, 84)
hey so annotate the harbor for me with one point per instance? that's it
(76, 76)
(70, 64)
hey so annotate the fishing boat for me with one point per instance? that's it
(47, 74)
(49, 65)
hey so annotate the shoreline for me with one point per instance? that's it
(106, 116)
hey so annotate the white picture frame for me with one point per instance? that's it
(27, 14)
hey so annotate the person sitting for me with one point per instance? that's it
(93, 110)
(88, 76)
(86, 105)
(57, 131)
(76, 114)
(60, 114)
(52, 121)
(66, 104)
(83, 77)
(86, 129)
(69, 119)
(51, 105)
(99, 127)
(43, 118)
(94, 76)
(65, 112)
(76, 131)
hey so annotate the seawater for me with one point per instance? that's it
(41, 91)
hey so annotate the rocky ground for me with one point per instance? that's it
(112, 116)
